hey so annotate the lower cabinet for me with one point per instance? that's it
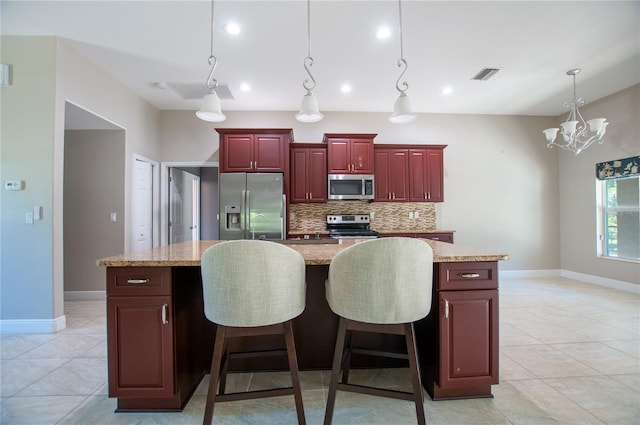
(159, 346)
(439, 236)
(464, 322)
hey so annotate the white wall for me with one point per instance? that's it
(501, 190)
(578, 187)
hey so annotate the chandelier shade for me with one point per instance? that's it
(576, 133)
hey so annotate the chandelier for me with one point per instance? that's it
(577, 134)
(309, 111)
(402, 108)
(211, 109)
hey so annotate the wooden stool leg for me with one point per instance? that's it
(346, 361)
(218, 350)
(224, 369)
(293, 367)
(414, 368)
(335, 371)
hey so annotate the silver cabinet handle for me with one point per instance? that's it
(137, 281)
(446, 309)
(164, 314)
(469, 275)
(435, 239)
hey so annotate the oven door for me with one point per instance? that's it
(350, 187)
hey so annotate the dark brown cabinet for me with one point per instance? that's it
(254, 150)
(349, 153)
(436, 236)
(466, 327)
(308, 173)
(391, 175)
(158, 344)
(426, 175)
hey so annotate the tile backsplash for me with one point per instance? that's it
(388, 216)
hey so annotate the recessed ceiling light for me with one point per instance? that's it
(383, 33)
(345, 88)
(447, 90)
(245, 87)
(232, 28)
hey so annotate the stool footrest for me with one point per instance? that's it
(378, 353)
(381, 392)
(249, 395)
(261, 353)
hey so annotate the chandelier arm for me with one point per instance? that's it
(402, 87)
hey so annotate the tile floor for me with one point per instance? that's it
(569, 354)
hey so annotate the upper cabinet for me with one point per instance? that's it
(409, 173)
(391, 175)
(254, 150)
(349, 153)
(308, 172)
(426, 170)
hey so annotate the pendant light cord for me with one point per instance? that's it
(402, 63)
(212, 83)
(308, 61)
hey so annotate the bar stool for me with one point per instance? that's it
(381, 285)
(252, 288)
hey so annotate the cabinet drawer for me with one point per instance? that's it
(468, 276)
(138, 281)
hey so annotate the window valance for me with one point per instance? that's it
(618, 168)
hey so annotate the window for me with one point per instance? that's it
(619, 218)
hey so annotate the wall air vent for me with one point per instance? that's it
(189, 91)
(485, 74)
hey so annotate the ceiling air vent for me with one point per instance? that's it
(485, 74)
(190, 91)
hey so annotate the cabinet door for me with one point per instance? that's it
(268, 153)
(435, 179)
(381, 165)
(399, 175)
(362, 156)
(339, 156)
(417, 176)
(317, 175)
(299, 175)
(237, 152)
(468, 338)
(140, 345)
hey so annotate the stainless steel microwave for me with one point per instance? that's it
(350, 187)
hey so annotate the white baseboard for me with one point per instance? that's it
(85, 295)
(33, 326)
(567, 274)
(602, 281)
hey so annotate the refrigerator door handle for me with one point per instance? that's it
(243, 215)
(283, 222)
(248, 216)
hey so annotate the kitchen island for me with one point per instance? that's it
(160, 342)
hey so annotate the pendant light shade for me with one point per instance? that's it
(309, 111)
(402, 110)
(211, 109)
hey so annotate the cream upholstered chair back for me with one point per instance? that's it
(385, 280)
(252, 283)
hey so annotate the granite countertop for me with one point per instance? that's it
(188, 254)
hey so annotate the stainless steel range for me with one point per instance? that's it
(353, 226)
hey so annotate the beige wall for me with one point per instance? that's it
(501, 181)
(577, 187)
(91, 192)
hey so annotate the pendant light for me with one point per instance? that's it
(402, 108)
(309, 111)
(211, 110)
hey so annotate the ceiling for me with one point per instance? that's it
(148, 44)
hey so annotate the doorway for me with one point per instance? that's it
(184, 205)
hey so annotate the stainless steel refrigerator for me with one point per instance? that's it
(252, 206)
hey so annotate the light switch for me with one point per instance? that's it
(411, 215)
(372, 215)
(113, 217)
(416, 214)
(37, 213)
(28, 218)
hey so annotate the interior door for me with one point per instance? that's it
(142, 237)
(184, 206)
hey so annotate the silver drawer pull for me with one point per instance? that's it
(469, 275)
(137, 281)
(164, 314)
